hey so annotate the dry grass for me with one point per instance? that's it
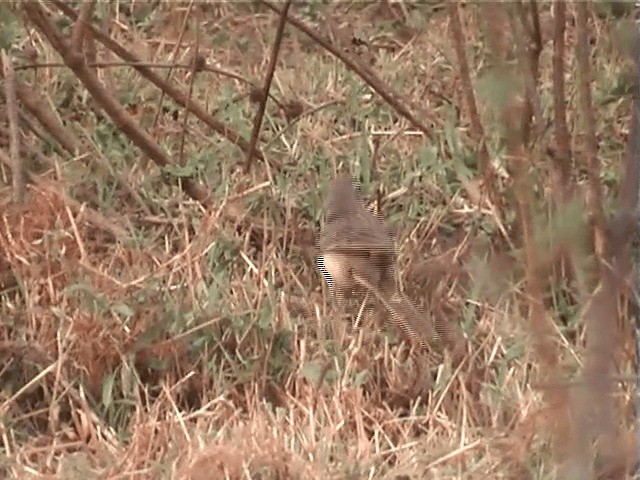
(203, 343)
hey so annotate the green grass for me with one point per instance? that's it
(201, 348)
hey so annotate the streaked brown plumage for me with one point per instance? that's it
(354, 239)
(359, 250)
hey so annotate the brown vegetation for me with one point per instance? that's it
(163, 316)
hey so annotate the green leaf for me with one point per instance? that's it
(361, 378)
(150, 335)
(497, 87)
(180, 171)
(266, 316)
(9, 27)
(428, 156)
(107, 390)
(123, 310)
(312, 371)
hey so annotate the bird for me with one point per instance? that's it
(357, 251)
(353, 239)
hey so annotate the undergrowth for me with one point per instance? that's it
(145, 336)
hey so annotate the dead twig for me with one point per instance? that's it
(116, 112)
(17, 166)
(257, 122)
(80, 26)
(595, 407)
(391, 97)
(174, 92)
(540, 324)
(176, 48)
(477, 131)
(561, 159)
(194, 71)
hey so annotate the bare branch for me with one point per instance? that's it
(257, 122)
(118, 114)
(391, 97)
(540, 322)
(596, 411)
(194, 71)
(477, 132)
(176, 48)
(536, 38)
(17, 167)
(594, 190)
(562, 157)
(80, 27)
(528, 62)
(174, 92)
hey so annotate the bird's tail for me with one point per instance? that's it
(414, 322)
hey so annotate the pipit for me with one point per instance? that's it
(358, 253)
